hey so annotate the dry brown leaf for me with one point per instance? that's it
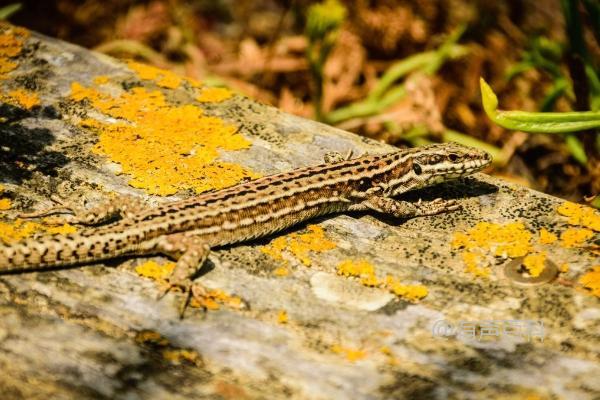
(342, 70)
(144, 22)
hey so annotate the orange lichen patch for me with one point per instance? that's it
(412, 293)
(574, 237)
(351, 355)
(5, 204)
(178, 356)
(21, 229)
(101, 80)
(487, 240)
(300, 245)
(5, 67)
(11, 45)
(214, 95)
(580, 215)
(547, 237)
(161, 77)
(63, 229)
(194, 83)
(534, 263)
(151, 337)
(23, 98)
(163, 148)
(281, 271)
(17, 230)
(476, 264)
(365, 271)
(564, 268)
(508, 240)
(361, 269)
(591, 280)
(282, 317)
(153, 270)
(212, 299)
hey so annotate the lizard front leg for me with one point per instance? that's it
(191, 253)
(110, 209)
(332, 157)
(405, 209)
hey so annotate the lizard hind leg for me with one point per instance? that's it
(191, 253)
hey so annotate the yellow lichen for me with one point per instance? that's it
(163, 148)
(574, 237)
(488, 239)
(5, 204)
(509, 240)
(411, 293)
(101, 80)
(361, 269)
(23, 98)
(591, 280)
(153, 270)
(212, 299)
(11, 44)
(547, 237)
(475, 264)
(281, 271)
(580, 215)
(194, 83)
(63, 229)
(564, 268)
(282, 317)
(178, 356)
(214, 95)
(365, 271)
(161, 77)
(21, 229)
(350, 353)
(534, 263)
(151, 337)
(300, 245)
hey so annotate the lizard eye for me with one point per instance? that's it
(453, 157)
(417, 169)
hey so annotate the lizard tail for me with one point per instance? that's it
(55, 251)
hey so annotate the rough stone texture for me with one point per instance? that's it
(83, 332)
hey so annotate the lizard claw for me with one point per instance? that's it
(186, 287)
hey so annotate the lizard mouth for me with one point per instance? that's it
(465, 169)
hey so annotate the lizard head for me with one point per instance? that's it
(428, 165)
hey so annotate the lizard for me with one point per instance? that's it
(186, 230)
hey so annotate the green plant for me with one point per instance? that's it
(388, 91)
(581, 86)
(542, 122)
(7, 11)
(322, 27)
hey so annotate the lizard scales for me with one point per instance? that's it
(187, 229)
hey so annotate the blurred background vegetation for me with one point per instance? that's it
(406, 72)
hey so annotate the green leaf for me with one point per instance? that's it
(547, 122)
(7, 11)
(576, 149)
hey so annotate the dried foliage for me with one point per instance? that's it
(259, 49)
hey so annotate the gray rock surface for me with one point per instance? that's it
(97, 331)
